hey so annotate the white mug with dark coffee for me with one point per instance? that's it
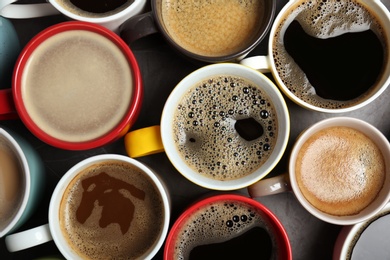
(106, 206)
(329, 56)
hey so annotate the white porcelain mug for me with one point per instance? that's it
(111, 20)
(140, 196)
(331, 197)
(294, 80)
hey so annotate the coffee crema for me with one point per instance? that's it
(111, 210)
(11, 184)
(221, 222)
(340, 171)
(205, 123)
(213, 28)
(77, 86)
(322, 63)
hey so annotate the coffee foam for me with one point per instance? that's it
(209, 224)
(340, 171)
(213, 28)
(94, 242)
(204, 130)
(11, 184)
(321, 19)
(77, 86)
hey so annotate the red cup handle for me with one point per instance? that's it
(7, 106)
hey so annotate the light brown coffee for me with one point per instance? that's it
(111, 210)
(205, 127)
(325, 76)
(11, 183)
(213, 28)
(340, 171)
(77, 86)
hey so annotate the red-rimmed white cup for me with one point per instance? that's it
(13, 102)
(281, 248)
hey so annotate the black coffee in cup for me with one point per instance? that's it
(225, 229)
(330, 53)
(95, 8)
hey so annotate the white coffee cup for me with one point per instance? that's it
(267, 63)
(53, 230)
(368, 239)
(20, 11)
(288, 181)
(154, 139)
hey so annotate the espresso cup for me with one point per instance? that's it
(339, 170)
(207, 31)
(227, 226)
(110, 14)
(22, 180)
(223, 127)
(319, 51)
(106, 206)
(365, 240)
(76, 86)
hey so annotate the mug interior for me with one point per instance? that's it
(205, 73)
(282, 243)
(383, 15)
(264, 26)
(55, 202)
(134, 104)
(7, 140)
(377, 137)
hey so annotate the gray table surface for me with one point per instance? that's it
(162, 69)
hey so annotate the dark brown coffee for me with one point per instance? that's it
(321, 50)
(95, 8)
(208, 231)
(225, 127)
(111, 210)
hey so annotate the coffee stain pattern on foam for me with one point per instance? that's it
(340, 171)
(321, 19)
(204, 130)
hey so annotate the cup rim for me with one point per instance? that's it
(63, 183)
(224, 58)
(27, 179)
(134, 105)
(346, 238)
(379, 7)
(376, 136)
(282, 235)
(235, 70)
(133, 7)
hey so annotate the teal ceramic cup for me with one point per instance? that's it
(21, 181)
(9, 51)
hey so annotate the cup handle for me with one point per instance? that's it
(7, 106)
(29, 238)
(22, 11)
(270, 186)
(260, 63)
(138, 27)
(144, 141)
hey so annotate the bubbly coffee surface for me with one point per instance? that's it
(11, 184)
(340, 170)
(111, 210)
(219, 222)
(329, 22)
(205, 127)
(77, 86)
(212, 28)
